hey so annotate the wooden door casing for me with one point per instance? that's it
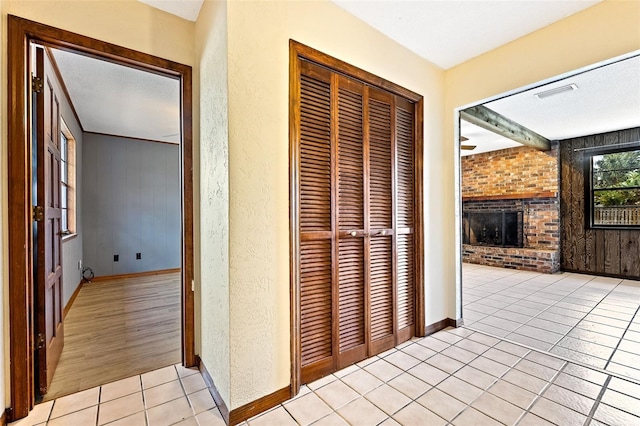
(356, 261)
(48, 294)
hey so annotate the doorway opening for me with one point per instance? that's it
(562, 290)
(26, 339)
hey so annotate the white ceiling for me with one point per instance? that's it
(119, 100)
(186, 9)
(606, 99)
(449, 32)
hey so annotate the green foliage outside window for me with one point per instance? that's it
(616, 179)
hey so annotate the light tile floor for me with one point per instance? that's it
(169, 396)
(589, 319)
(453, 377)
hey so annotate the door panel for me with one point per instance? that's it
(355, 221)
(316, 246)
(49, 328)
(405, 217)
(351, 223)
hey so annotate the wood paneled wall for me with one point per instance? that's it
(596, 251)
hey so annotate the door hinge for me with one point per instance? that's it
(38, 213)
(40, 341)
(36, 84)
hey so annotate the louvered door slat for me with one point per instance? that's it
(381, 288)
(350, 163)
(351, 294)
(405, 168)
(315, 155)
(315, 298)
(405, 281)
(380, 215)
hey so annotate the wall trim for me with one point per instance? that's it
(63, 85)
(72, 299)
(247, 411)
(208, 380)
(130, 138)
(136, 274)
(441, 325)
(260, 405)
(528, 195)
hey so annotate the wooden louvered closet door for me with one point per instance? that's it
(356, 214)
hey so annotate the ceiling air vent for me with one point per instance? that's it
(556, 91)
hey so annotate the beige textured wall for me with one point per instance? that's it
(127, 23)
(259, 33)
(213, 153)
(601, 32)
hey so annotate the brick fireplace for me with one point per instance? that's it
(511, 209)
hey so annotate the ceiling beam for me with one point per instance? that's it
(490, 120)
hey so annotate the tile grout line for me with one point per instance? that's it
(596, 403)
(554, 304)
(529, 295)
(144, 402)
(583, 319)
(603, 299)
(615, 350)
(98, 408)
(540, 394)
(562, 357)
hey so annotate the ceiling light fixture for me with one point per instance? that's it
(556, 91)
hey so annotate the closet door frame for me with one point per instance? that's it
(297, 53)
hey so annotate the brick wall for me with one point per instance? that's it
(521, 170)
(516, 179)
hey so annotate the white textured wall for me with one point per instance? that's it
(259, 33)
(211, 51)
(128, 23)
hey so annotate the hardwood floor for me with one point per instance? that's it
(119, 328)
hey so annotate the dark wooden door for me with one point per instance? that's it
(356, 254)
(49, 329)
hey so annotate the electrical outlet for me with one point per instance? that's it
(116, 257)
(138, 256)
(79, 265)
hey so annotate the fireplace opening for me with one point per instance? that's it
(497, 228)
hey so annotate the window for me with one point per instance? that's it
(68, 181)
(614, 196)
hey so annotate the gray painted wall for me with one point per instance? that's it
(72, 248)
(131, 204)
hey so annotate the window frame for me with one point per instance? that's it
(589, 204)
(69, 158)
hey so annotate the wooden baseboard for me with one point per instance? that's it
(136, 275)
(222, 406)
(72, 299)
(247, 411)
(258, 406)
(440, 325)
